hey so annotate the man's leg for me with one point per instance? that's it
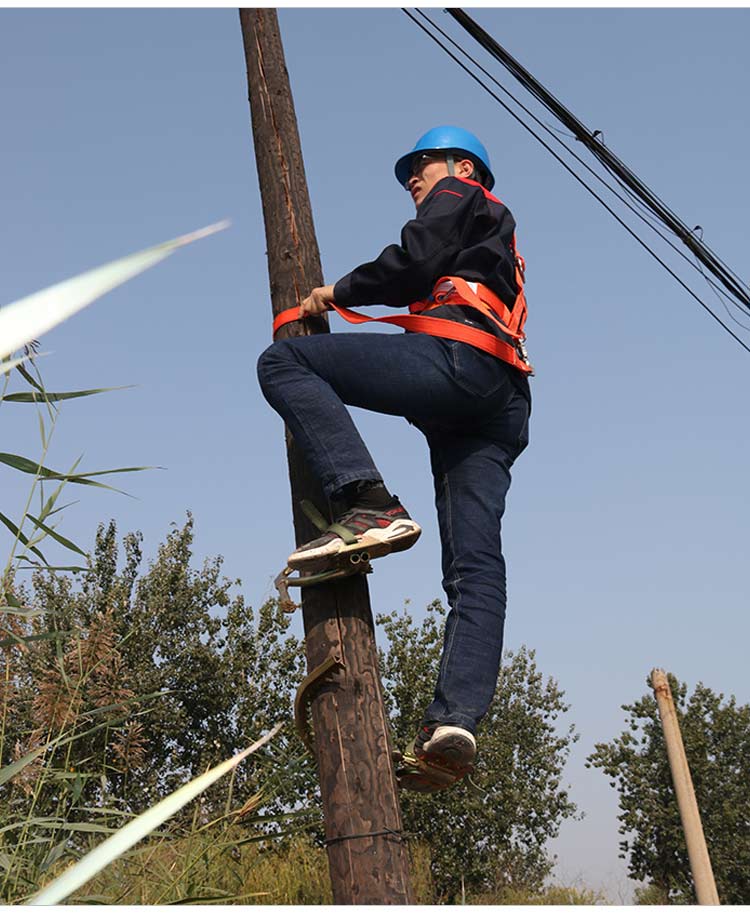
(472, 476)
(310, 380)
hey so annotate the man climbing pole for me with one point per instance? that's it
(460, 375)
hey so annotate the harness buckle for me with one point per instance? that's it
(521, 348)
(442, 291)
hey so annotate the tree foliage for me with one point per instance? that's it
(186, 672)
(495, 837)
(152, 672)
(716, 735)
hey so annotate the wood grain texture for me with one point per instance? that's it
(357, 781)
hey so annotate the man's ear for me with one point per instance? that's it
(464, 168)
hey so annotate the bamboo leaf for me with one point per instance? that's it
(113, 847)
(27, 318)
(33, 397)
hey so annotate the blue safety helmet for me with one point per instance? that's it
(450, 139)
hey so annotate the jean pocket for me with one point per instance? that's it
(477, 372)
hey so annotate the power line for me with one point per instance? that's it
(590, 139)
(578, 131)
(637, 207)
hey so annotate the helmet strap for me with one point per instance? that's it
(451, 164)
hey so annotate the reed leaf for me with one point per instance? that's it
(48, 510)
(15, 640)
(58, 537)
(58, 823)
(12, 769)
(24, 320)
(34, 397)
(16, 531)
(7, 365)
(53, 855)
(38, 470)
(112, 707)
(228, 898)
(127, 836)
(30, 379)
(27, 612)
(47, 568)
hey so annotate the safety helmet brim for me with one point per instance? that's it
(446, 140)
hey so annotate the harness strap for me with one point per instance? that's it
(457, 291)
(427, 324)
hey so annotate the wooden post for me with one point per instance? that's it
(700, 863)
(367, 857)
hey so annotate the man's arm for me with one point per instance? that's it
(404, 273)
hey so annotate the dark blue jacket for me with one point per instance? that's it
(458, 231)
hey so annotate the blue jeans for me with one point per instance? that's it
(476, 424)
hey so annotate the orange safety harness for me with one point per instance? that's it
(454, 291)
(509, 346)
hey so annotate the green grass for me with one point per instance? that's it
(290, 873)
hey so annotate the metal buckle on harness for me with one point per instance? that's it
(443, 291)
(521, 350)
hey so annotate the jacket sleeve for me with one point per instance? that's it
(404, 273)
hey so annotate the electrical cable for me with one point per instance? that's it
(569, 169)
(579, 179)
(729, 279)
(644, 215)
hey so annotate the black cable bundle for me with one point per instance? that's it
(734, 286)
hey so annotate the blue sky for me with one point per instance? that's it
(626, 525)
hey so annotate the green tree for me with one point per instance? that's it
(183, 673)
(492, 839)
(716, 735)
(192, 672)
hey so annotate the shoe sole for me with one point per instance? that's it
(416, 780)
(456, 752)
(371, 544)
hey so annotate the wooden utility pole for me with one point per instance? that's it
(367, 856)
(700, 863)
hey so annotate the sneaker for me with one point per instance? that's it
(375, 532)
(448, 746)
